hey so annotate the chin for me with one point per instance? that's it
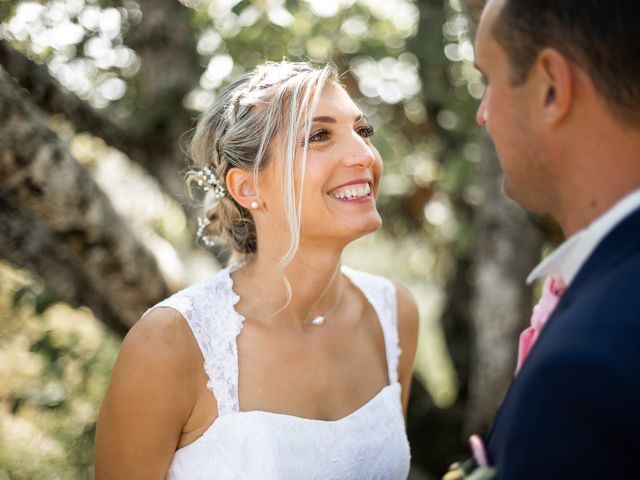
(371, 225)
(343, 230)
(506, 189)
(513, 195)
(527, 200)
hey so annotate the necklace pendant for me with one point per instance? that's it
(319, 320)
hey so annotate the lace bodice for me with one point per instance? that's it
(369, 443)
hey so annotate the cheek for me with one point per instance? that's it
(315, 175)
(491, 111)
(269, 183)
(377, 167)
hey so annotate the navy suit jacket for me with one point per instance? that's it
(573, 411)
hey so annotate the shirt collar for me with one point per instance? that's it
(568, 258)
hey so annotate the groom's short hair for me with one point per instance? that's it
(601, 37)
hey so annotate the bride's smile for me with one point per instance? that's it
(355, 191)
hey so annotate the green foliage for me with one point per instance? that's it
(41, 299)
(53, 371)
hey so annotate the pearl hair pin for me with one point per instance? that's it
(208, 181)
(203, 222)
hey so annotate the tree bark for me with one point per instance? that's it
(153, 135)
(23, 243)
(165, 43)
(147, 146)
(508, 245)
(104, 257)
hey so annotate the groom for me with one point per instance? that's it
(562, 105)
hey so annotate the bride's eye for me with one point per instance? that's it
(366, 131)
(319, 136)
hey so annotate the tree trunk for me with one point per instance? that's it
(23, 241)
(155, 133)
(70, 215)
(165, 43)
(508, 245)
(154, 146)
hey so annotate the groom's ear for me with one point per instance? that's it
(554, 90)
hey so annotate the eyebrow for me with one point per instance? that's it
(326, 119)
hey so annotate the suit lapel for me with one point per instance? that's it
(617, 245)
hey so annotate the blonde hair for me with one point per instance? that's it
(276, 98)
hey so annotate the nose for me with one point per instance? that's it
(481, 114)
(360, 154)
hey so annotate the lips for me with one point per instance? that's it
(352, 191)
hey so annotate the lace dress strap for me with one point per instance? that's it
(381, 294)
(209, 309)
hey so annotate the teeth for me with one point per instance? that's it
(352, 192)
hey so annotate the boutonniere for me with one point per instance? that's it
(552, 290)
(475, 468)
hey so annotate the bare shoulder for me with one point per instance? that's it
(152, 391)
(161, 338)
(408, 316)
(159, 352)
(408, 324)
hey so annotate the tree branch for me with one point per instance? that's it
(150, 148)
(38, 173)
(51, 98)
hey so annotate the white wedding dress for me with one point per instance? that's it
(370, 443)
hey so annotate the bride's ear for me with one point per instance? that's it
(241, 186)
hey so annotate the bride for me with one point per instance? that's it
(284, 365)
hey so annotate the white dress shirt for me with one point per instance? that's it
(565, 261)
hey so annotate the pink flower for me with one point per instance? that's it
(478, 451)
(552, 290)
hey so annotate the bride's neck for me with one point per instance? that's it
(313, 276)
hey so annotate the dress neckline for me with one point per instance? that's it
(296, 418)
(229, 417)
(239, 323)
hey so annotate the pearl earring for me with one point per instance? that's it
(255, 204)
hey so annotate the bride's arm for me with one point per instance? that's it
(150, 396)
(408, 320)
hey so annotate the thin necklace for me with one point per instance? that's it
(319, 320)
